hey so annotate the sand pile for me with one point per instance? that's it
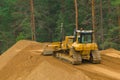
(19, 59)
(111, 52)
(24, 61)
(14, 50)
(47, 71)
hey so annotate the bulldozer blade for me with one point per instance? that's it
(47, 53)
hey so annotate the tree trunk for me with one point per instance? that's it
(109, 12)
(119, 15)
(93, 19)
(62, 7)
(32, 20)
(76, 10)
(101, 24)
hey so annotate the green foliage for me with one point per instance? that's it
(49, 14)
(112, 38)
(115, 2)
(21, 36)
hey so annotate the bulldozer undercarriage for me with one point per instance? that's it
(76, 58)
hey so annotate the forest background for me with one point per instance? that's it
(15, 21)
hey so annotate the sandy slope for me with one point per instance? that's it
(104, 71)
(48, 71)
(111, 52)
(14, 50)
(29, 64)
(24, 61)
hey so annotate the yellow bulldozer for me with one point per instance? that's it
(75, 49)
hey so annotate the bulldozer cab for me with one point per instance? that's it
(84, 36)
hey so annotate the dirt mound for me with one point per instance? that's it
(47, 71)
(111, 52)
(20, 59)
(14, 50)
(24, 61)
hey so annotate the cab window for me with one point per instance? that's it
(85, 38)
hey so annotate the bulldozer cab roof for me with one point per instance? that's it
(84, 31)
